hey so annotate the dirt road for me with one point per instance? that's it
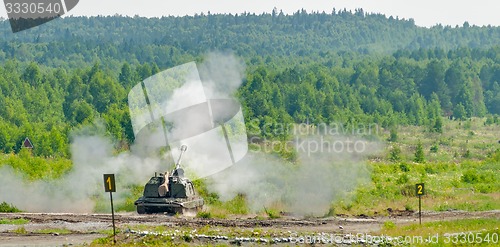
(53, 229)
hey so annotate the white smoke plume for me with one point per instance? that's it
(93, 154)
(307, 187)
(194, 101)
(77, 191)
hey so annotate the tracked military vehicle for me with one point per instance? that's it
(170, 192)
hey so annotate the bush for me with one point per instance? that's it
(408, 190)
(404, 167)
(434, 148)
(438, 125)
(204, 215)
(495, 157)
(21, 230)
(470, 176)
(419, 153)
(395, 154)
(403, 179)
(187, 237)
(430, 170)
(237, 205)
(467, 154)
(393, 136)
(487, 177)
(202, 189)
(272, 214)
(484, 188)
(489, 120)
(8, 208)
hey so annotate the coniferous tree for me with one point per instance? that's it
(419, 153)
(395, 154)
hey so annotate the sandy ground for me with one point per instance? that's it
(85, 228)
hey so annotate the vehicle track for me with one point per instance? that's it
(245, 221)
(86, 227)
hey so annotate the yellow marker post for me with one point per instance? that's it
(109, 186)
(420, 191)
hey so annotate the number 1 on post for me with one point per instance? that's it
(109, 183)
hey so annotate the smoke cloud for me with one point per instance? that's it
(93, 153)
(309, 186)
(78, 190)
(195, 102)
(322, 174)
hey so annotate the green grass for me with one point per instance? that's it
(19, 221)
(185, 235)
(20, 230)
(204, 215)
(34, 167)
(222, 210)
(460, 172)
(441, 227)
(272, 213)
(458, 136)
(470, 185)
(144, 241)
(463, 232)
(54, 230)
(134, 192)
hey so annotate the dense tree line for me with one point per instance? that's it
(46, 104)
(321, 67)
(396, 89)
(75, 41)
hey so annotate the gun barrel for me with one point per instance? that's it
(183, 149)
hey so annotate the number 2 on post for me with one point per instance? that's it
(420, 189)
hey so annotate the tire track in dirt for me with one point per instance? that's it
(86, 227)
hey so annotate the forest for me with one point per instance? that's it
(349, 67)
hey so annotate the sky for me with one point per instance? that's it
(424, 12)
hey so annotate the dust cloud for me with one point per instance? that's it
(308, 186)
(93, 154)
(83, 185)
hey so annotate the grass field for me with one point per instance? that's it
(460, 171)
(460, 140)
(464, 232)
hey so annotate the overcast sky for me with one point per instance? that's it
(424, 12)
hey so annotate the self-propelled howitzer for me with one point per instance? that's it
(170, 192)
